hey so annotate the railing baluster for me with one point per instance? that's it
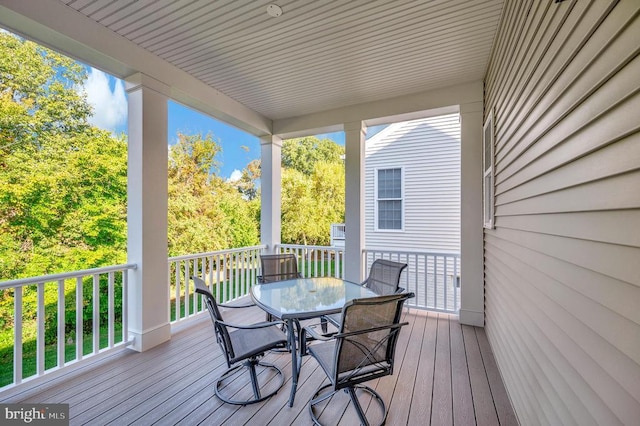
(111, 308)
(176, 300)
(79, 319)
(40, 329)
(96, 313)
(225, 278)
(17, 334)
(61, 324)
(218, 267)
(444, 279)
(187, 274)
(125, 304)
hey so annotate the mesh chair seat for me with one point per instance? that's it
(363, 350)
(243, 343)
(251, 342)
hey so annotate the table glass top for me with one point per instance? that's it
(306, 297)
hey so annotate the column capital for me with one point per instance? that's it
(271, 140)
(139, 80)
(354, 125)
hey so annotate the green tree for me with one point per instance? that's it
(313, 184)
(302, 154)
(63, 182)
(248, 184)
(206, 213)
(38, 96)
(310, 204)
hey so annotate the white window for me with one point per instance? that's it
(487, 168)
(389, 199)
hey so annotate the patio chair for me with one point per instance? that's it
(363, 350)
(278, 267)
(383, 279)
(243, 345)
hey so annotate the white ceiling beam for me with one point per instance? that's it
(420, 105)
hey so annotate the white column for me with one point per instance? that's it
(354, 133)
(270, 182)
(471, 247)
(148, 295)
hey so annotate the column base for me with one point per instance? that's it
(150, 338)
(474, 318)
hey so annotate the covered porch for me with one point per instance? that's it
(553, 278)
(446, 374)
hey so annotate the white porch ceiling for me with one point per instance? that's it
(319, 55)
(319, 65)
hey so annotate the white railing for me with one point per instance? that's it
(316, 261)
(229, 274)
(433, 277)
(46, 338)
(94, 301)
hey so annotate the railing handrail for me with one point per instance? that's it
(412, 252)
(215, 253)
(21, 282)
(303, 246)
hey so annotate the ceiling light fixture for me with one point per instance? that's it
(274, 10)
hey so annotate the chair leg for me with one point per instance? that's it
(254, 379)
(251, 366)
(351, 391)
(315, 399)
(357, 406)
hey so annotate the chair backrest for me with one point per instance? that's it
(384, 276)
(222, 334)
(278, 267)
(366, 343)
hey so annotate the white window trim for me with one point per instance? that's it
(488, 171)
(375, 199)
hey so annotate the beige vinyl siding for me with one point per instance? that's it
(562, 266)
(428, 151)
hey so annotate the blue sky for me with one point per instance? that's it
(106, 94)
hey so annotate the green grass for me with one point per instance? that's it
(29, 354)
(328, 265)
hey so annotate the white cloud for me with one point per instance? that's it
(235, 176)
(109, 106)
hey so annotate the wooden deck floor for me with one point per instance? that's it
(446, 375)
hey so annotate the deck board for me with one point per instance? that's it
(460, 384)
(445, 374)
(482, 398)
(442, 403)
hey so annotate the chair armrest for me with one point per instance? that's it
(311, 331)
(222, 305)
(370, 330)
(252, 326)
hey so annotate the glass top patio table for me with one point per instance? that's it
(304, 298)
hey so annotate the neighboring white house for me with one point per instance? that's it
(412, 204)
(412, 187)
